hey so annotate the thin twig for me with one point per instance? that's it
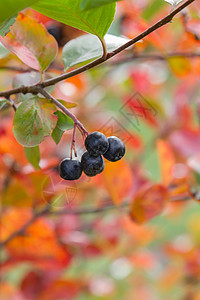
(87, 211)
(47, 211)
(63, 108)
(12, 103)
(155, 56)
(73, 148)
(23, 229)
(53, 81)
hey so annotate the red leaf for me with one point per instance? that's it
(37, 285)
(32, 284)
(186, 142)
(61, 289)
(149, 202)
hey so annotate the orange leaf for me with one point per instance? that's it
(179, 188)
(39, 240)
(31, 42)
(141, 235)
(9, 292)
(118, 180)
(149, 202)
(167, 160)
(8, 144)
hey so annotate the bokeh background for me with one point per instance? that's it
(149, 97)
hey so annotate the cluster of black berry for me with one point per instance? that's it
(92, 162)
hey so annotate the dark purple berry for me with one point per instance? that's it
(96, 143)
(70, 169)
(116, 149)
(92, 165)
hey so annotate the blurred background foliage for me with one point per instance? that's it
(149, 97)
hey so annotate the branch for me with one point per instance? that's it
(23, 229)
(87, 211)
(53, 81)
(47, 211)
(155, 56)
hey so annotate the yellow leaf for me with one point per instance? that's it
(181, 66)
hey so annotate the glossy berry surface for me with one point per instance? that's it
(116, 149)
(56, 31)
(70, 169)
(92, 165)
(96, 143)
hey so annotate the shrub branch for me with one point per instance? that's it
(53, 81)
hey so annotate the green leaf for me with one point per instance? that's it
(34, 119)
(68, 104)
(63, 123)
(57, 134)
(88, 4)
(8, 12)
(96, 21)
(5, 26)
(88, 47)
(33, 156)
(3, 102)
(3, 51)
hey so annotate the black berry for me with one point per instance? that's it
(70, 169)
(96, 143)
(92, 165)
(56, 31)
(116, 149)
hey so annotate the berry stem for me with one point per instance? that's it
(73, 142)
(79, 125)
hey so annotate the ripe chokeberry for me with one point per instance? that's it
(116, 149)
(92, 165)
(96, 143)
(70, 169)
